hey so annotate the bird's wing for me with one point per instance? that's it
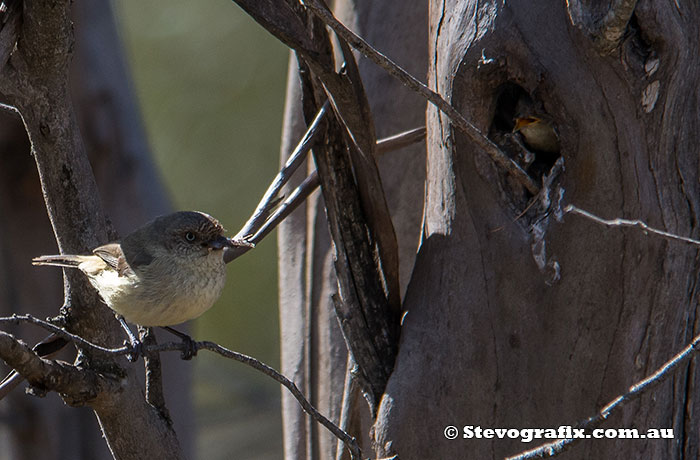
(113, 256)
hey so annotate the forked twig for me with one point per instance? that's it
(431, 96)
(618, 222)
(662, 373)
(266, 217)
(635, 391)
(205, 345)
(296, 158)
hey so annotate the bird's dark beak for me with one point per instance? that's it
(220, 242)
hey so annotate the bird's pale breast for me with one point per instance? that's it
(182, 290)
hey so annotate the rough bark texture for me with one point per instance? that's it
(495, 334)
(131, 193)
(489, 338)
(313, 351)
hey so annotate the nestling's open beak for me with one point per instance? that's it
(521, 122)
(220, 242)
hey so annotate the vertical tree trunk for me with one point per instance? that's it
(131, 192)
(493, 336)
(513, 318)
(313, 351)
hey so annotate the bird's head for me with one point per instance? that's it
(526, 121)
(190, 233)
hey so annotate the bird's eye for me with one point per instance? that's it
(189, 236)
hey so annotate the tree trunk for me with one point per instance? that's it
(514, 319)
(131, 192)
(313, 351)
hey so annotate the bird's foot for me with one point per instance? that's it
(135, 350)
(135, 345)
(189, 346)
(189, 350)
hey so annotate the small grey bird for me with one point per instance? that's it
(167, 272)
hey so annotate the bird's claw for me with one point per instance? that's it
(189, 348)
(135, 350)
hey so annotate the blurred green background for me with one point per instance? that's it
(210, 83)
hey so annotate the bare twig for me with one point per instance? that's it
(154, 374)
(431, 96)
(77, 386)
(16, 319)
(296, 158)
(385, 145)
(349, 407)
(34, 370)
(44, 349)
(10, 109)
(307, 187)
(298, 196)
(349, 441)
(635, 391)
(400, 140)
(618, 222)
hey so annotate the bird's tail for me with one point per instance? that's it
(61, 260)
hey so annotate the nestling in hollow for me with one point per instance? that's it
(537, 133)
(167, 272)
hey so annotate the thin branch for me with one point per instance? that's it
(154, 374)
(307, 187)
(311, 183)
(36, 369)
(16, 319)
(400, 140)
(349, 407)
(349, 441)
(44, 349)
(635, 391)
(10, 109)
(296, 158)
(571, 209)
(431, 96)
(76, 386)
(298, 196)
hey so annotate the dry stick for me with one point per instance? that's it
(296, 158)
(431, 96)
(10, 109)
(154, 373)
(46, 349)
(310, 184)
(401, 140)
(349, 404)
(16, 319)
(259, 224)
(260, 218)
(211, 346)
(635, 391)
(298, 196)
(349, 441)
(571, 209)
(554, 448)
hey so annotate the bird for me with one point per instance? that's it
(168, 271)
(537, 133)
